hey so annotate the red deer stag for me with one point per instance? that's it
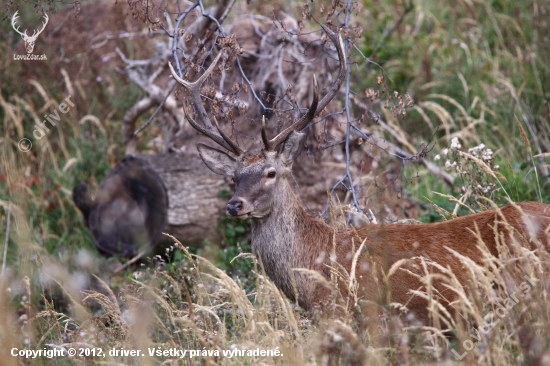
(286, 237)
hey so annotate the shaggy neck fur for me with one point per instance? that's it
(282, 242)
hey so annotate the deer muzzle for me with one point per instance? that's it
(238, 208)
(233, 208)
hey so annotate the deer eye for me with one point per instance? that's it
(271, 174)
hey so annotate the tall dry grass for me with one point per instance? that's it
(501, 317)
(485, 68)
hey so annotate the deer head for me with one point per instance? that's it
(260, 174)
(29, 40)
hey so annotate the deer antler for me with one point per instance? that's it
(264, 135)
(207, 129)
(316, 106)
(13, 21)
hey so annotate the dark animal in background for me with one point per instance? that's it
(129, 210)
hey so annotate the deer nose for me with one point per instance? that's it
(234, 207)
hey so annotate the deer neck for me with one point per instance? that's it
(283, 239)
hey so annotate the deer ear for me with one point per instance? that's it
(293, 147)
(216, 160)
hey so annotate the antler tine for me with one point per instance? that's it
(210, 134)
(339, 43)
(316, 107)
(264, 135)
(234, 147)
(207, 129)
(195, 87)
(299, 124)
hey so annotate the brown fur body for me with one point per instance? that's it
(307, 243)
(285, 237)
(290, 238)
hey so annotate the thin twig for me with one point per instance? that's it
(206, 15)
(250, 85)
(7, 239)
(227, 10)
(404, 156)
(130, 262)
(223, 33)
(390, 31)
(157, 22)
(176, 35)
(347, 108)
(143, 126)
(332, 145)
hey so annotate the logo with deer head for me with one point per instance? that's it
(29, 40)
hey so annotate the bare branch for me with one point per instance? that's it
(348, 113)
(129, 121)
(143, 126)
(175, 37)
(194, 89)
(315, 107)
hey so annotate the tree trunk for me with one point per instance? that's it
(194, 206)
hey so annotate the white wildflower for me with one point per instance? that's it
(487, 155)
(437, 157)
(475, 150)
(448, 164)
(455, 145)
(445, 152)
